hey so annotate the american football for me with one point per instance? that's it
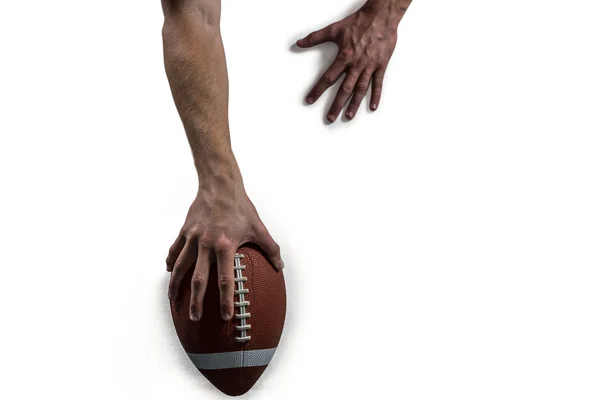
(233, 354)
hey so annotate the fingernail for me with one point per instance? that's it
(310, 100)
(349, 115)
(226, 315)
(331, 117)
(171, 297)
(281, 265)
(194, 317)
(373, 106)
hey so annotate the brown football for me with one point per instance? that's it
(233, 354)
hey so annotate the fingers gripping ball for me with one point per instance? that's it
(233, 354)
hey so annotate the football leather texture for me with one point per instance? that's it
(233, 354)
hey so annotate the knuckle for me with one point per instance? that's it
(225, 303)
(170, 255)
(329, 78)
(346, 89)
(179, 264)
(346, 53)
(192, 231)
(361, 87)
(198, 281)
(353, 74)
(313, 36)
(225, 282)
(275, 249)
(260, 230)
(223, 243)
(206, 240)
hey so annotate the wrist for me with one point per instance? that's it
(218, 170)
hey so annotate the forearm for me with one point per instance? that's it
(393, 10)
(197, 73)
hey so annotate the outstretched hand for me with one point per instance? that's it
(366, 41)
(217, 224)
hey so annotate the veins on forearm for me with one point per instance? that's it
(392, 10)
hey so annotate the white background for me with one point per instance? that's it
(443, 247)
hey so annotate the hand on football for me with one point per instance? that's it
(220, 219)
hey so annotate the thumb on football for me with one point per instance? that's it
(268, 245)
